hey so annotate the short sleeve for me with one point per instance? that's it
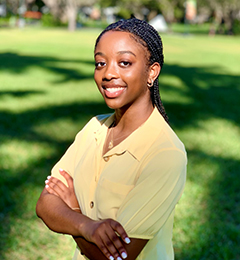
(159, 187)
(77, 148)
(67, 162)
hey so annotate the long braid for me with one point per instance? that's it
(145, 34)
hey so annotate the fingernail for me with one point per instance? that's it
(46, 186)
(61, 170)
(49, 177)
(47, 181)
(127, 240)
(119, 258)
(124, 255)
(111, 257)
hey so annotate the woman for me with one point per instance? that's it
(125, 172)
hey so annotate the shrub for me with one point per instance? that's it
(48, 20)
(236, 27)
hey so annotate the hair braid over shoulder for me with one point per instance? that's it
(146, 35)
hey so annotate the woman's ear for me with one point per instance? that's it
(154, 71)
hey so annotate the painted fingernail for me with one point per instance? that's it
(47, 181)
(49, 177)
(61, 170)
(46, 186)
(119, 258)
(127, 240)
(124, 255)
(111, 257)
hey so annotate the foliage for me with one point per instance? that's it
(66, 10)
(236, 27)
(48, 20)
(95, 24)
(4, 21)
(48, 93)
(124, 13)
(190, 28)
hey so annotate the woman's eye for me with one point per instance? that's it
(125, 63)
(99, 64)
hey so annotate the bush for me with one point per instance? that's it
(236, 27)
(4, 22)
(124, 13)
(49, 20)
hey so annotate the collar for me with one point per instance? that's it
(104, 121)
(139, 141)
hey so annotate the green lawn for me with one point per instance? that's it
(47, 94)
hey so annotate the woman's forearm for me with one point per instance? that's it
(58, 216)
(90, 250)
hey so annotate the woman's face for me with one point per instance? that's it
(121, 73)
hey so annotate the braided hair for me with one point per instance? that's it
(146, 35)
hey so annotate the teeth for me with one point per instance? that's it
(112, 90)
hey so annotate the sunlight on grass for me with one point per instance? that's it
(176, 92)
(17, 154)
(59, 129)
(214, 137)
(48, 93)
(41, 244)
(225, 138)
(219, 51)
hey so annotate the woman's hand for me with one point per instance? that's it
(108, 235)
(58, 188)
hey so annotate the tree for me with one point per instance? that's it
(67, 10)
(224, 12)
(169, 8)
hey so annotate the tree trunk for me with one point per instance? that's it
(71, 14)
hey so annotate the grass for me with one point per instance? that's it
(190, 28)
(47, 94)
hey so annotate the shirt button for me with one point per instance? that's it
(106, 159)
(91, 204)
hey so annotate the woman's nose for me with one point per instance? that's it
(111, 72)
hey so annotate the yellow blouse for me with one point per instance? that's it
(137, 182)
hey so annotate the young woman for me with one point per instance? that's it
(116, 187)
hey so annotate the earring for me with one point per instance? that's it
(150, 84)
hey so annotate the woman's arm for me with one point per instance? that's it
(101, 230)
(94, 253)
(57, 215)
(54, 206)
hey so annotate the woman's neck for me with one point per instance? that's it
(126, 122)
(129, 120)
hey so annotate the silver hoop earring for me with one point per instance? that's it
(150, 84)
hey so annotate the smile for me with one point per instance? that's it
(112, 90)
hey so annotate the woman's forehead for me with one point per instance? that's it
(120, 39)
(115, 36)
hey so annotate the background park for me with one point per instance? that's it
(47, 94)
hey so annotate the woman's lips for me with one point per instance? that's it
(113, 92)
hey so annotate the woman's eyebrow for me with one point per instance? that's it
(119, 52)
(98, 53)
(129, 52)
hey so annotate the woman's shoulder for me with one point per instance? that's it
(102, 118)
(94, 123)
(98, 120)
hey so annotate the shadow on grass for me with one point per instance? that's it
(218, 98)
(13, 183)
(20, 93)
(16, 63)
(216, 224)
